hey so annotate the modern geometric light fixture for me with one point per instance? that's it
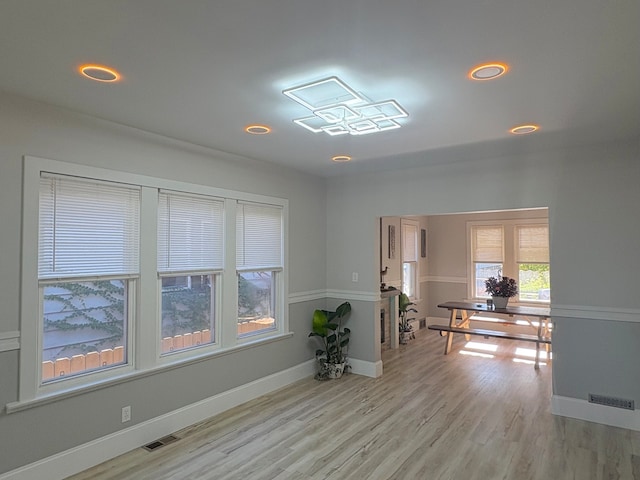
(338, 109)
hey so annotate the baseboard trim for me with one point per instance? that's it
(367, 369)
(85, 456)
(591, 412)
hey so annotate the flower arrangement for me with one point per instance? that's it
(504, 287)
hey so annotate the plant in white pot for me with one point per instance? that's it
(501, 290)
(327, 328)
(405, 329)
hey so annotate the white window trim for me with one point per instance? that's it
(143, 356)
(509, 265)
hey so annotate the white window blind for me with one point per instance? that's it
(409, 243)
(532, 244)
(190, 232)
(487, 244)
(87, 228)
(259, 236)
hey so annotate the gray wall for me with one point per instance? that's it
(30, 128)
(592, 193)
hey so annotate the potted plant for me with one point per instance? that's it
(404, 327)
(327, 327)
(501, 289)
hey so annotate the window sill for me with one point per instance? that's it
(19, 406)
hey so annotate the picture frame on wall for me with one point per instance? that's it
(392, 242)
(423, 243)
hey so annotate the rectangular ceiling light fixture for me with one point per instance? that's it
(338, 109)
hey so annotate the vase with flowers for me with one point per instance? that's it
(501, 290)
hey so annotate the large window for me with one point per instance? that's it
(409, 232)
(515, 248)
(190, 239)
(124, 273)
(532, 257)
(259, 262)
(487, 253)
(87, 266)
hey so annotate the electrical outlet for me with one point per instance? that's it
(354, 277)
(126, 414)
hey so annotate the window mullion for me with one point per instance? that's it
(146, 321)
(227, 325)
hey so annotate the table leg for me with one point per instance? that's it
(537, 364)
(452, 323)
(465, 323)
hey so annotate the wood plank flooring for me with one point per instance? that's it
(429, 416)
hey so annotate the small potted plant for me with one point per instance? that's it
(327, 327)
(501, 290)
(404, 327)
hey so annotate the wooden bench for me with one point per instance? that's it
(491, 333)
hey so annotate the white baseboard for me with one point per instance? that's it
(367, 369)
(84, 456)
(591, 412)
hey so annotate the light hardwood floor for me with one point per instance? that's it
(429, 416)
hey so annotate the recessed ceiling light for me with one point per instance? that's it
(524, 129)
(488, 71)
(257, 129)
(99, 73)
(341, 158)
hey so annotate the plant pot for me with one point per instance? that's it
(500, 302)
(330, 370)
(405, 337)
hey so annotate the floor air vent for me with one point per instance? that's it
(611, 401)
(150, 447)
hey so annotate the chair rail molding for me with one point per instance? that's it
(9, 341)
(596, 313)
(446, 279)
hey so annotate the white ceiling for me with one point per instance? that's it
(200, 71)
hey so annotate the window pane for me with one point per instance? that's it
(256, 304)
(190, 232)
(409, 279)
(87, 228)
(187, 311)
(482, 272)
(259, 236)
(84, 327)
(534, 284)
(487, 243)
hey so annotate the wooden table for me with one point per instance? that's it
(467, 310)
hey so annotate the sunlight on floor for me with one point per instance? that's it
(476, 354)
(489, 347)
(522, 355)
(531, 353)
(529, 362)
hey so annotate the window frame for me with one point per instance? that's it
(143, 357)
(510, 265)
(415, 274)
